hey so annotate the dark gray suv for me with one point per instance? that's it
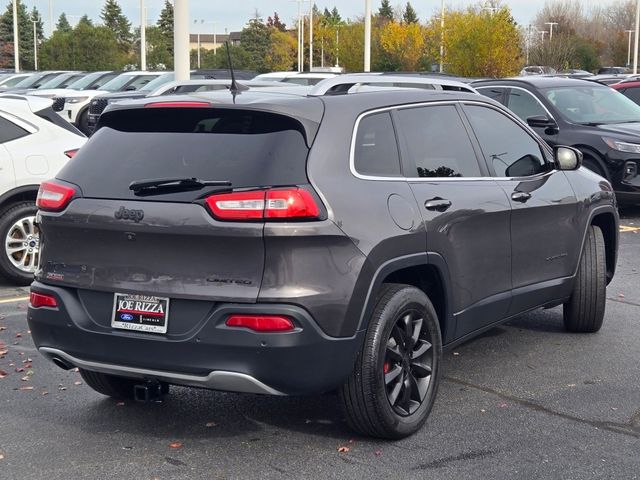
(298, 244)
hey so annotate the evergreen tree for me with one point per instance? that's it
(165, 26)
(63, 24)
(409, 15)
(84, 21)
(275, 22)
(256, 41)
(25, 36)
(335, 16)
(113, 18)
(386, 10)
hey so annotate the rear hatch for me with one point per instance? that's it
(166, 240)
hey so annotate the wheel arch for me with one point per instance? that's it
(20, 194)
(429, 273)
(606, 221)
(588, 151)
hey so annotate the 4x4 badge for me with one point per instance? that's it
(127, 214)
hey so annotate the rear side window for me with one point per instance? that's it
(495, 93)
(437, 142)
(509, 150)
(10, 131)
(525, 105)
(376, 149)
(247, 148)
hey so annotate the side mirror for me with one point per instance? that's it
(541, 121)
(567, 158)
(130, 88)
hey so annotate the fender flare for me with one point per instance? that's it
(17, 191)
(592, 214)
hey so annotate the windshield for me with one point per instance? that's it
(33, 80)
(117, 83)
(158, 82)
(61, 81)
(9, 81)
(85, 81)
(593, 105)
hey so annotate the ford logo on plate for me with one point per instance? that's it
(127, 317)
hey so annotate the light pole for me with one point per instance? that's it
(442, 36)
(367, 35)
(551, 24)
(310, 34)
(635, 47)
(181, 39)
(143, 37)
(337, 45)
(35, 44)
(16, 40)
(543, 33)
(630, 32)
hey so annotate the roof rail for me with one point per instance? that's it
(343, 83)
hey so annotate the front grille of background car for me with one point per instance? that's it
(58, 104)
(98, 105)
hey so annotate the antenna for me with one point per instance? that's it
(235, 86)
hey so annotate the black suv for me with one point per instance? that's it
(284, 244)
(602, 123)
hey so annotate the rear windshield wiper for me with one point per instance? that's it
(175, 184)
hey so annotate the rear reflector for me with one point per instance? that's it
(177, 105)
(54, 197)
(71, 153)
(293, 203)
(261, 323)
(38, 300)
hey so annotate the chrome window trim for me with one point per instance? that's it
(402, 178)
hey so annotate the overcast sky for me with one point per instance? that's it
(232, 15)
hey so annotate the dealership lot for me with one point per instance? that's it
(524, 399)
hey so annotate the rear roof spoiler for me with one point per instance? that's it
(343, 83)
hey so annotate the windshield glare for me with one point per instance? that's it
(117, 83)
(593, 104)
(158, 82)
(57, 81)
(31, 81)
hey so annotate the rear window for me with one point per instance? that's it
(247, 148)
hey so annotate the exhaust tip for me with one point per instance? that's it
(62, 363)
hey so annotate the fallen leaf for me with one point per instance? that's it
(2, 329)
(77, 383)
(211, 424)
(614, 408)
(120, 404)
(482, 410)
(3, 374)
(26, 388)
(18, 335)
(175, 445)
(27, 365)
(456, 354)
(343, 449)
(503, 405)
(1, 456)
(75, 369)
(3, 352)
(25, 379)
(19, 369)
(62, 389)
(28, 360)
(45, 393)
(378, 453)
(621, 295)
(572, 385)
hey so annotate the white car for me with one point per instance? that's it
(10, 80)
(76, 103)
(308, 78)
(35, 143)
(91, 81)
(179, 87)
(274, 76)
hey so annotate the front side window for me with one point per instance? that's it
(525, 105)
(437, 142)
(495, 93)
(508, 149)
(376, 149)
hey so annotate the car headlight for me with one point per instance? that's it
(77, 99)
(621, 146)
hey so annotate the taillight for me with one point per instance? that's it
(37, 300)
(293, 203)
(261, 323)
(53, 196)
(71, 153)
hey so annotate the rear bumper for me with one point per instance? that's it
(209, 355)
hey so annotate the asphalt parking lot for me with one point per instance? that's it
(524, 400)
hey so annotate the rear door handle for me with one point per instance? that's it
(521, 197)
(437, 204)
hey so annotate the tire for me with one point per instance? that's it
(17, 231)
(373, 402)
(120, 388)
(584, 312)
(83, 122)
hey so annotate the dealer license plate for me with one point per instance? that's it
(142, 313)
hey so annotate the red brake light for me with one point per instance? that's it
(53, 196)
(71, 153)
(38, 300)
(261, 323)
(293, 203)
(178, 105)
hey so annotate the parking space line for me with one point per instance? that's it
(14, 299)
(624, 228)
